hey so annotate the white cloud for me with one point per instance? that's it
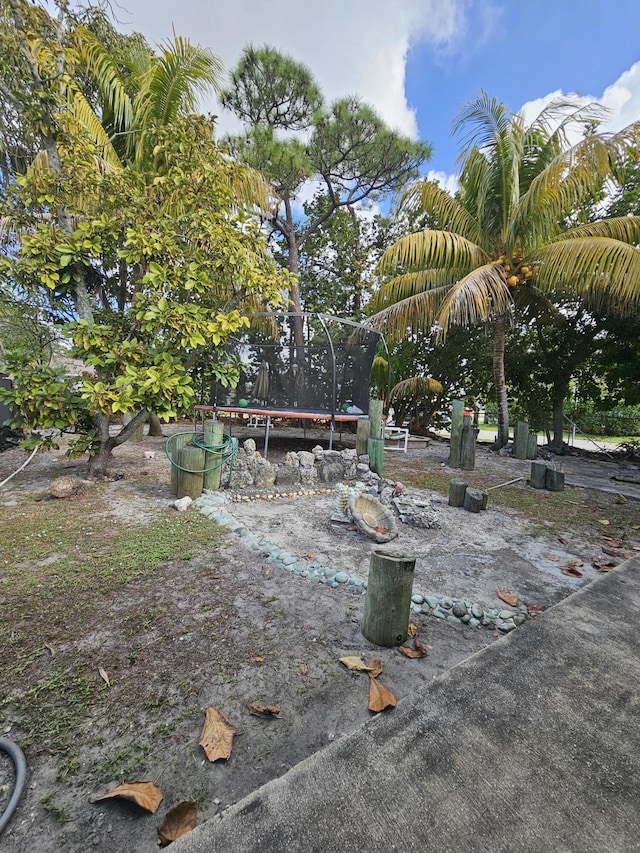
(448, 182)
(621, 99)
(354, 47)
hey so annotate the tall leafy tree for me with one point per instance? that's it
(507, 229)
(294, 138)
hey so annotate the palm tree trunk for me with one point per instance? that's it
(499, 381)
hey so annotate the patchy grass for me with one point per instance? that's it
(63, 568)
(580, 510)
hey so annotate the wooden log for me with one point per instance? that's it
(175, 446)
(190, 474)
(375, 418)
(468, 447)
(375, 449)
(362, 434)
(475, 500)
(457, 415)
(213, 436)
(538, 478)
(554, 480)
(532, 445)
(457, 488)
(520, 439)
(387, 607)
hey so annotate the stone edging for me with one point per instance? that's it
(214, 505)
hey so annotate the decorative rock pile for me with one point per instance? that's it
(251, 470)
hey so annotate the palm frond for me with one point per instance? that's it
(414, 313)
(104, 69)
(410, 283)
(599, 266)
(415, 387)
(428, 197)
(570, 179)
(623, 228)
(478, 297)
(92, 127)
(432, 249)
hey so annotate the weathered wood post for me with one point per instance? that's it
(475, 500)
(532, 445)
(554, 480)
(457, 415)
(387, 608)
(538, 475)
(362, 434)
(375, 418)
(457, 488)
(190, 474)
(375, 449)
(176, 444)
(468, 445)
(138, 433)
(213, 435)
(520, 440)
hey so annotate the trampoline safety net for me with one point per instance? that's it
(329, 372)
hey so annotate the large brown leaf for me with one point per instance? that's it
(354, 663)
(507, 597)
(217, 735)
(178, 821)
(145, 794)
(263, 710)
(380, 697)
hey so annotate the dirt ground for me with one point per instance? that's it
(227, 629)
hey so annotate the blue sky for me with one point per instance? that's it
(418, 61)
(524, 51)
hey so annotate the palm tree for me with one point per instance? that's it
(509, 226)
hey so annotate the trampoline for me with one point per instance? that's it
(300, 365)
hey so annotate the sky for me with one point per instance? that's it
(418, 61)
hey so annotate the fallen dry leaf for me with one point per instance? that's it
(611, 551)
(612, 543)
(532, 607)
(375, 667)
(52, 651)
(259, 659)
(602, 564)
(263, 710)
(412, 630)
(562, 540)
(603, 521)
(408, 652)
(308, 556)
(507, 597)
(304, 669)
(178, 821)
(572, 571)
(144, 794)
(354, 663)
(420, 647)
(552, 557)
(379, 696)
(217, 735)
(103, 675)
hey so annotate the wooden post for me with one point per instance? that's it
(175, 445)
(538, 475)
(387, 607)
(213, 435)
(475, 500)
(375, 449)
(190, 475)
(532, 445)
(520, 438)
(375, 418)
(457, 488)
(362, 434)
(468, 446)
(554, 480)
(457, 414)
(138, 433)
